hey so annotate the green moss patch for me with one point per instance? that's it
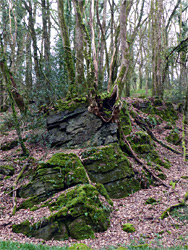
(173, 138)
(144, 146)
(79, 246)
(7, 170)
(155, 106)
(60, 172)
(129, 228)
(151, 201)
(109, 165)
(72, 104)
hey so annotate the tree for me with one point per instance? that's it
(9, 87)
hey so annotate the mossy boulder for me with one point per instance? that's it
(80, 213)
(6, 169)
(59, 173)
(173, 137)
(109, 165)
(144, 146)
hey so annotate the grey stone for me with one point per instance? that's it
(79, 128)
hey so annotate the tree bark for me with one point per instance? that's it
(67, 48)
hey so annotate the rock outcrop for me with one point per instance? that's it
(79, 128)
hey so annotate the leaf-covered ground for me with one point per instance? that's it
(133, 209)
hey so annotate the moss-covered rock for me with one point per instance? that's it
(109, 165)
(124, 120)
(60, 172)
(173, 138)
(72, 104)
(155, 106)
(144, 146)
(7, 170)
(129, 228)
(80, 213)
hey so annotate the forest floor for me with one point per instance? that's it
(150, 229)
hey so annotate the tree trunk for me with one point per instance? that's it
(157, 53)
(79, 47)
(67, 48)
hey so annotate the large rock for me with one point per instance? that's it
(109, 165)
(79, 128)
(79, 213)
(59, 173)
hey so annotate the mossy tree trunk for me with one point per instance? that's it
(31, 12)
(8, 85)
(157, 13)
(79, 47)
(67, 48)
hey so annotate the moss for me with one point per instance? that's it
(7, 170)
(109, 165)
(121, 248)
(151, 201)
(60, 172)
(23, 227)
(79, 246)
(72, 104)
(143, 145)
(80, 230)
(105, 159)
(124, 119)
(79, 214)
(167, 113)
(129, 228)
(30, 202)
(101, 189)
(173, 138)
(157, 102)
